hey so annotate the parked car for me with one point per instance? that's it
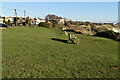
(4, 25)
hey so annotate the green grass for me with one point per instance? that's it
(31, 53)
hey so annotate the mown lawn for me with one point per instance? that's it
(31, 53)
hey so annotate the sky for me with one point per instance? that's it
(60, 0)
(82, 11)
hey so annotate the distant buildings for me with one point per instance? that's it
(10, 20)
(1, 20)
(50, 18)
(39, 20)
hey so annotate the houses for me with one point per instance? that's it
(61, 21)
(8, 19)
(18, 21)
(1, 20)
(11, 20)
(39, 20)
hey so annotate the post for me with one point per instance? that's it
(16, 17)
(69, 36)
(24, 13)
(35, 20)
(66, 33)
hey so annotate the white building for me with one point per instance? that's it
(1, 20)
(40, 20)
(61, 21)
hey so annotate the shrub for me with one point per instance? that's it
(101, 29)
(45, 24)
(24, 23)
(107, 34)
(117, 37)
(67, 23)
(93, 27)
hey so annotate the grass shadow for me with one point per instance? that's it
(61, 40)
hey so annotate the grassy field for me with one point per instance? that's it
(31, 53)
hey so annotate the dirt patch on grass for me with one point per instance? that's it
(3, 28)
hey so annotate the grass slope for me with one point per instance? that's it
(31, 53)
